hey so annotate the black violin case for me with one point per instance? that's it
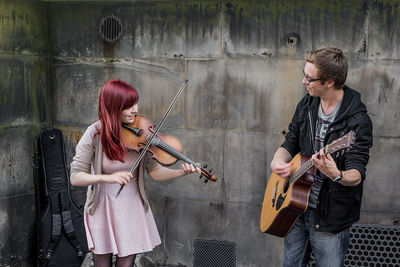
(60, 234)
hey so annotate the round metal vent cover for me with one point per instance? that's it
(110, 29)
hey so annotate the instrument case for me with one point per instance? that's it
(60, 234)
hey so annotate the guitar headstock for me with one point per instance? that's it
(342, 143)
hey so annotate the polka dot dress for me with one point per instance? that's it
(120, 225)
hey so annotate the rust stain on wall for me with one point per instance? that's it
(72, 134)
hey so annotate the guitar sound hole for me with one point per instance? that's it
(280, 201)
(286, 187)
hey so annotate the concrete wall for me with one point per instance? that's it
(24, 109)
(243, 60)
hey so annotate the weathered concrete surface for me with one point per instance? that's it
(17, 238)
(263, 28)
(382, 185)
(379, 85)
(243, 94)
(24, 110)
(243, 60)
(151, 29)
(23, 27)
(227, 221)
(15, 166)
(384, 33)
(153, 80)
(23, 89)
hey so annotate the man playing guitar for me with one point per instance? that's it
(329, 110)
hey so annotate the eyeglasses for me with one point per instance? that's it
(309, 79)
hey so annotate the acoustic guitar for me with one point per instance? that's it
(286, 199)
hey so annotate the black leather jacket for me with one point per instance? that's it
(338, 205)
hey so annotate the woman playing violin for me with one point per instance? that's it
(123, 225)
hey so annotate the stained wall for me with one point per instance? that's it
(243, 61)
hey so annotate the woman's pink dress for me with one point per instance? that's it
(120, 225)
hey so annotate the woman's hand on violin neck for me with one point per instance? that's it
(118, 177)
(163, 173)
(189, 168)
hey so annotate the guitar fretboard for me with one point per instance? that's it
(344, 142)
(301, 171)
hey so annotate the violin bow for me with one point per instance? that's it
(134, 167)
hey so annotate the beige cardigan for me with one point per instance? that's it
(88, 158)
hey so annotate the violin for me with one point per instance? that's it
(166, 149)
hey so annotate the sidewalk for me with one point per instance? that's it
(141, 261)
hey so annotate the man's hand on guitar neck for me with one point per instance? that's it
(327, 165)
(280, 163)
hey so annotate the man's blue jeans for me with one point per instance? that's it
(329, 249)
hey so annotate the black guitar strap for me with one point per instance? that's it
(67, 222)
(56, 226)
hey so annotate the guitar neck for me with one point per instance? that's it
(159, 143)
(301, 171)
(304, 168)
(346, 141)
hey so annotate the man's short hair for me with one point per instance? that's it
(331, 64)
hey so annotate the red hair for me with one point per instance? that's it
(115, 96)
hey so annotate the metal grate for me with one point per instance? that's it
(372, 245)
(110, 29)
(209, 253)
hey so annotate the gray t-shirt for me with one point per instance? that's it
(322, 124)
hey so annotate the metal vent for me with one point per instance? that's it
(214, 253)
(110, 29)
(372, 245)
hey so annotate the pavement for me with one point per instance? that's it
(141, 261)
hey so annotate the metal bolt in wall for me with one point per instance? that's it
(292, 40)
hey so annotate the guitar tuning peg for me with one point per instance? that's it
(204, 166)
(210, 170)
(201, 176)
(205, 181)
